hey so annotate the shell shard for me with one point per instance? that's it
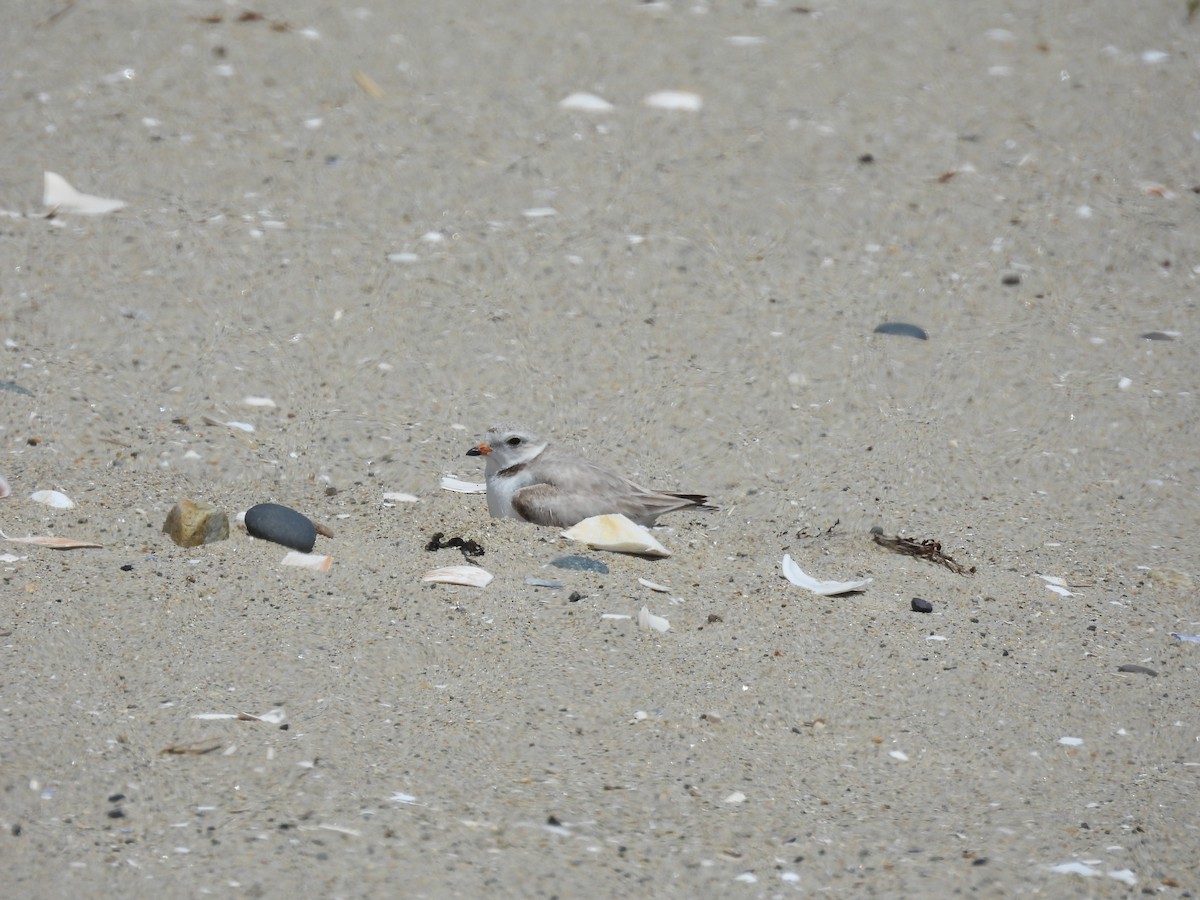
(617, 533)
(648, 621)
(59, 196)
(459, 486)
(56, 499)
(798, 577)
(318, 562)
(682, 101)
(468, 576)
(585, 102)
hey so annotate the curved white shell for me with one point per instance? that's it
(648, 620)
(617, 533)
(57, 499)
(798, 577)
(469, 576)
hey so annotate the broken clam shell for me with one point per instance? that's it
(57, 499)
(648, 620)
(617, 533)
(468, 576)
(798, 577)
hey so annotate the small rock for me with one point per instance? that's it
(1010, 280)
(580, 564)
(283, 525)
(903, 329)
(921, 606)
(1137, 670)
(191, 523)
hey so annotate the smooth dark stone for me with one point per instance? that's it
(580, 564)
(15, 388)
(1010, 280)
(903, 329)
(1137, 670)
(1158, 336)
(273, 522)
(919, 605)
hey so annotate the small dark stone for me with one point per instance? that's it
(981, 861)
(1158, 336)
(116, 813)
(15, 388)
(922, 606)
(115, 798)
(575, 597)
(16, 829)
(580, 564)
(875, 529)
(1010, 280)
(553, 820)
(1137, 670)
(903, 329)
(128, 567)
(866, 159)
(285, 526)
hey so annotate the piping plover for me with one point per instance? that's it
(530, 480)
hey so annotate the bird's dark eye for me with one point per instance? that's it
(513, 442)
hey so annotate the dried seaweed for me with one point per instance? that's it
(928, 549)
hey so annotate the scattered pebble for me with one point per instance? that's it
(191, 523)
(1011, 280)
(273, 522)
(921, 605)
(15, 388)
(1137, 670)
(902, 329)
(580, 564)
(1161, 335)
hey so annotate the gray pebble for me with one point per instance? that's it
(1137, 670)
(903, 329)
(580, 564)
(273, 522)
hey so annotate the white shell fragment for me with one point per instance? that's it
(683, 101)
(59, 196)
(798, 577)
(5, 490)
(617, 533)
(56, 499)
(1057, 585)
(318, 562)
(463, 487)
(399, 497)
(259, 402)
(654, 586)
(468, 576)
(649, 621)
(585, 102)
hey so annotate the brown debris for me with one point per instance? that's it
(928, 549)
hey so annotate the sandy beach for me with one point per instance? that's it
(382, 219)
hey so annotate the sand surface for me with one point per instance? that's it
(1016, 178)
